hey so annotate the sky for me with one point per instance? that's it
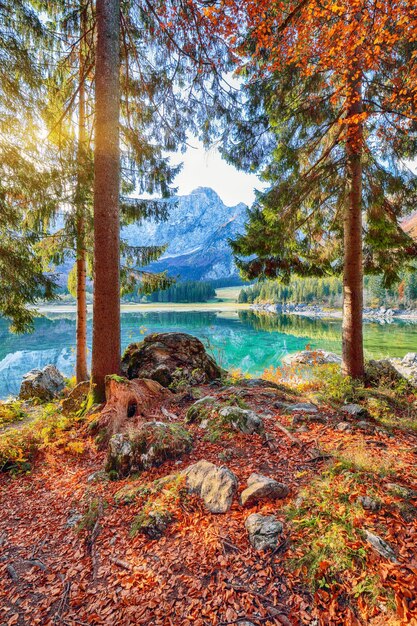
(206, 168)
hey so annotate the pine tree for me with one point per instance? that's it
(24, 184)
(330, 119)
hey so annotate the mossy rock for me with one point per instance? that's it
(172, 359)
(201, 410)
(159, 510)
(151, 445)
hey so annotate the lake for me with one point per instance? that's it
(243, 339)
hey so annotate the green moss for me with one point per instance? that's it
(161, 500)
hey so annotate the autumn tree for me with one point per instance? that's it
(329, 121)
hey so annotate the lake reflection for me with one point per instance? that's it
(247, 340)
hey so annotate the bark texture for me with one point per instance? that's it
(106, 322)
(352, 332)
(129, 403)
(81, 369)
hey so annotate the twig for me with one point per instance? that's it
(291, 437)
(12, 573)
(63, 603)
(121, 563)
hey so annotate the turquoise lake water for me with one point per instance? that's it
(246, 340)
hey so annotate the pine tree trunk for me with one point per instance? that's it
(81, 369)
(352, 332)
(106, 320)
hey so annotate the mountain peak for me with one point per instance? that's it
(197, 230)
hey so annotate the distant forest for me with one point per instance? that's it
(328, 291)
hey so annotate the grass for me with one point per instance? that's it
(329, 551)
(50, 429)
(11, 412)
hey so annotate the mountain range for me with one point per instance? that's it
(197, 231)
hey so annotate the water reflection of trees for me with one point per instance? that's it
(322, 329)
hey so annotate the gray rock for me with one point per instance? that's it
(302, 407)
(343, 426)
(262, 488)
(215, 485)
(380, 546)
(365, 425)
(246, 421)
(369, 503)
(263, 530)
(311, 357)
(170, 359)
(354, 410)
(45, 384)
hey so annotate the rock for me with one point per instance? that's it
(246, 421)
(354, 410)
(343, 426)
(215, 485)
(401, 491)
(74, 401)
(200, 410)
(262, 488)
(380, 546)
(311, 357)
(382, 372)
(151, 445)
(369, 504)
(153, 524)
(44, 384)
(365, 425)
(302, 407)
(301, 419)
(172, 359)
(263, 530)
(73, 519)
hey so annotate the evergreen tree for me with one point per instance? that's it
(24, 184)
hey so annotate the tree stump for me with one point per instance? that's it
(129, 403)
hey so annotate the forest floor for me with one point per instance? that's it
(68, 556)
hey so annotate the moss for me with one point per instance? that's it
(163, 497)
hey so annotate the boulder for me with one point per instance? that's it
(263, 530)
(172, 359)
(246, 421)
(75, 399)
(262, 488)
(150, 445)
(311, 357)
(44, 384)
(215, 485)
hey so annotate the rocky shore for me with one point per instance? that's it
(382, 314)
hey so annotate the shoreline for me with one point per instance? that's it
(156, 308)
(382, 315)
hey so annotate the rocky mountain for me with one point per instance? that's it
(197, 232)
